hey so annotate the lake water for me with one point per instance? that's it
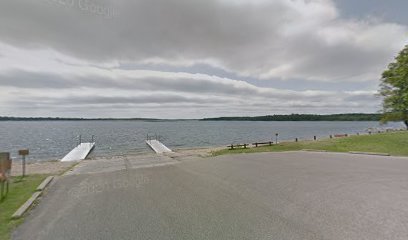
(48, 140)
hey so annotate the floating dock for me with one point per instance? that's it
(157, 146)
(80, 152)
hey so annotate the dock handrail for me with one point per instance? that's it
(79, 139)
(155, 137)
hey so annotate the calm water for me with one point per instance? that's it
(53, 139)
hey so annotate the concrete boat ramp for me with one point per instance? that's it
(80, 152)
(157, 146)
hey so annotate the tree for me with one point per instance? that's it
(394, 89)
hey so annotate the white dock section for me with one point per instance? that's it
(80, 152)
(157, 146)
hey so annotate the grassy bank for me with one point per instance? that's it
(19, 192)
(394, 143)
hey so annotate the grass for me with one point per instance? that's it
(393, 143)
(20, 190)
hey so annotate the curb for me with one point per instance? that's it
(45, 183)
(20, 212)
(313, 150)
(371, 153)
(23, 209)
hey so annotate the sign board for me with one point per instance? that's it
(5, 165)
(4, 156)
(23, 152)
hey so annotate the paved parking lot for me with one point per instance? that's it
(294, 195)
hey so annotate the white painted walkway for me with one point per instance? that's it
(80, 152)
(157, 146)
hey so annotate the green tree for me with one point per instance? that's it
(394, 89)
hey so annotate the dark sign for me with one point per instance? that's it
(23, 152)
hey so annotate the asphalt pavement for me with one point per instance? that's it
(294, 195)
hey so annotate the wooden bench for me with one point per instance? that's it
(5, 168)
(340, 135)
(262, 143)
(232, 146)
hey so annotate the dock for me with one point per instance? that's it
(157, 146)
(80, 152)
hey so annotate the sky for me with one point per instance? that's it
(195, 59)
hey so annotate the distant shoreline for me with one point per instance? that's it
(277, 118)
(90, 119)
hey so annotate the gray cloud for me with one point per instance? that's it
(24, 79)
(281, 38)
(181, 83)
(117, 100)
(67, 59)
(127, 95)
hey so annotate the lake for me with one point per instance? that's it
(50, 140)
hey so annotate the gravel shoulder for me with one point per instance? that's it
(46, 167)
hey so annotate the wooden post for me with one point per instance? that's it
(23, 165)
(23, 153)
(5, 168)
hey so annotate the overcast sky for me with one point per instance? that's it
(193, 59)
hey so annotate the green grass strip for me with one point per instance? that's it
(20, 190)
(393, 143)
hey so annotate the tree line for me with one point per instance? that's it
(304, 117)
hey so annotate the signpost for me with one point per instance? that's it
(5, 168)
(23, 153)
